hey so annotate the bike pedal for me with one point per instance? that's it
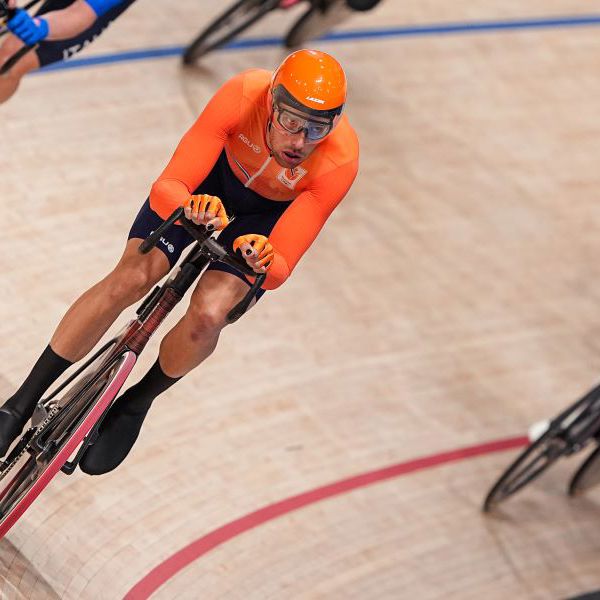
(69, 468)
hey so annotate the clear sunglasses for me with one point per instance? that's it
(294, 123)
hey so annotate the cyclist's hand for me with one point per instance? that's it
(257, 251)
(206, 210)
(29, 30)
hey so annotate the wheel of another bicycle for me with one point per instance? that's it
(227, 26)
(529, 465)
(565, 434)
(35, 468)
(587, 476)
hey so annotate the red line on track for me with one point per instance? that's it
(181, 559)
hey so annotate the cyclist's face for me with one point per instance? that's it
(290, 149)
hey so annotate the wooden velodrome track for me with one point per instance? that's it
(453, 299)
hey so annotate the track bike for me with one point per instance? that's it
(568, 433)
(66, 422)
(316, 21)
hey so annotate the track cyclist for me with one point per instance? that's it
(272, 150)
(61, 28)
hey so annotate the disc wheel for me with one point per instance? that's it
(566, 434)
(224, 28)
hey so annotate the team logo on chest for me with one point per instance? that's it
(290, 177)
(255, 147)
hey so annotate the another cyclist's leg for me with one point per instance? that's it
(320, 17)
(33, 60)
(10, 81)
(52, 51)
(49, 52)
(79, 331)
(187, 345)
(362, 5)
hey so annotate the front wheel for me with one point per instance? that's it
(57, 438)
(224, 28)
(531, 463)
(568, 433)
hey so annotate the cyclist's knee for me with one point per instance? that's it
(134, 275)
(204, 319)
(129, 283)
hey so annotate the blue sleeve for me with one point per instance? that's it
(102, 6)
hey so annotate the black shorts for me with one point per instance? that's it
(253, 214)
(50, 52)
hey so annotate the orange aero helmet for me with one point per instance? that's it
(311, 81)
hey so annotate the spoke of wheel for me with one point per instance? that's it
(532, 469)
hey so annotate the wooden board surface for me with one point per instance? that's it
(452, 299)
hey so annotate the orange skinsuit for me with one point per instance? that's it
(236, 119)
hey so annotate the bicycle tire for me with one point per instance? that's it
(41, 465)
(567, 433)
(587, 476)
(221, 30)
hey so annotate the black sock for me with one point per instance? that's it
(140, 396)
(49, 367)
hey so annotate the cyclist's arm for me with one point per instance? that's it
(72, 20)
(198, 150)
(300, 224)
